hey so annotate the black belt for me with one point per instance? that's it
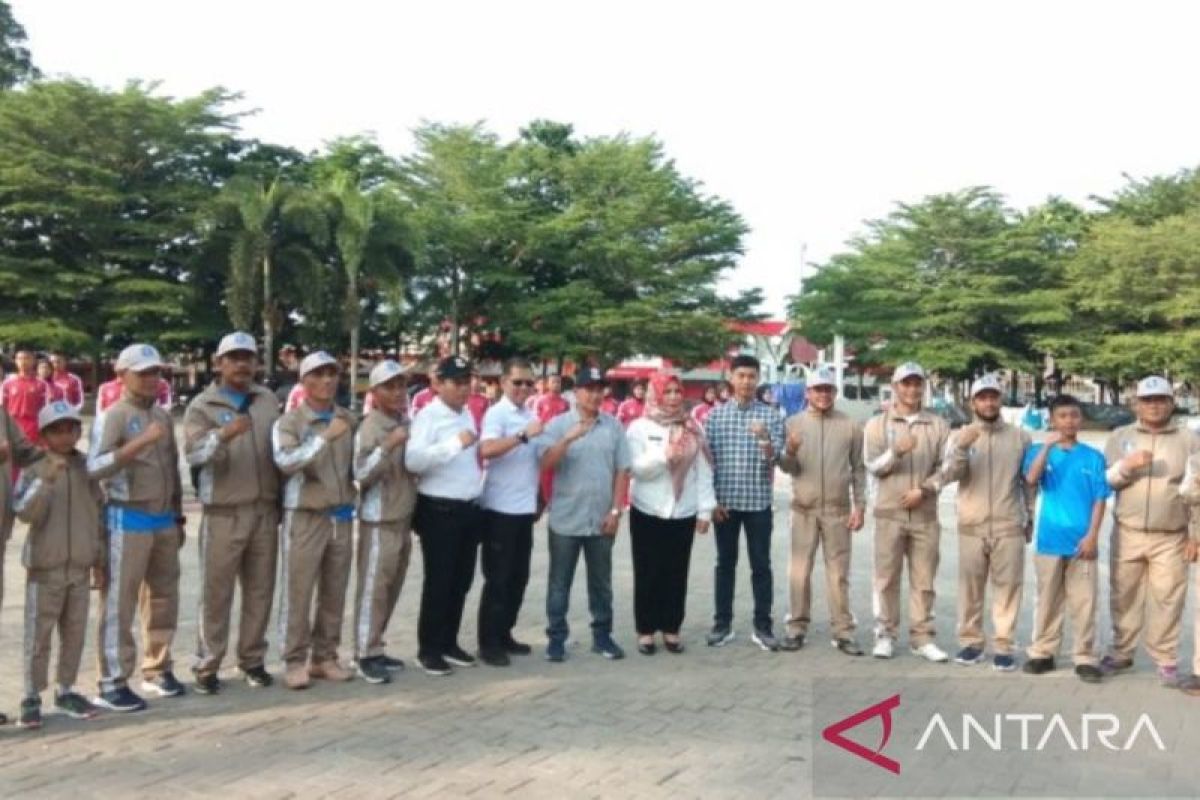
(449, 502)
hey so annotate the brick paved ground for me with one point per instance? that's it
(731, 722)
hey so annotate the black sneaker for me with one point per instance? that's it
(258, 677)
(372, 670)
(494, 657)
(848, 646)
(603, 644)
(1089, 673)
(792, 643)
(208, 684)
(719, 636)
(434, 665)
(515, 648)
(969, 656)
(76, 706)
(390, 664)
(765, 639)
(164, 685)
(459, 657)
(122, 698)
(31, 713)
(556, 651)
(1038, 666)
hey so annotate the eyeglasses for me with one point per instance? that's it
(520, 383)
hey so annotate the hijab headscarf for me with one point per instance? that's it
(680, 427)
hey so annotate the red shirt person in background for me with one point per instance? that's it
(68, 384)
(609, 404)
(546, 407)
(705, 406)
(23, 394)
(477, 402)
(633, 406)
(110, 392)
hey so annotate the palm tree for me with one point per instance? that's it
(371, 241)
(277, 230)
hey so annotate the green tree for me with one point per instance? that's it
(98, 196)
(274, 232)
(16, 64)
(371, 247)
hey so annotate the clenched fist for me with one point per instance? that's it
(904, 444)
(1136, 460)
(337, 427)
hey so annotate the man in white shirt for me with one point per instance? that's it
(509, 508)
(442, 452)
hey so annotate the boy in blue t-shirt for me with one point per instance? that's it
(1070, 476)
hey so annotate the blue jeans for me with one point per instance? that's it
(758, 548)
(564, 555)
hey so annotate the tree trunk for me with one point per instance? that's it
(352, 309)
(268, 323)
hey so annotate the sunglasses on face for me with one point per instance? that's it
(518, 382)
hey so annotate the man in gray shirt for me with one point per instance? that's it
(588, 454)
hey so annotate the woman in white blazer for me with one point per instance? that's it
(672, 498)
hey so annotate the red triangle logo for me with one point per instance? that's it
(833, 733)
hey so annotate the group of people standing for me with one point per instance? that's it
(292, 497)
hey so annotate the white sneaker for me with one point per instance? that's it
(884, 648)
(931, 652)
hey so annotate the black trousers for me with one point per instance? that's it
(449, 531)
(504, 556)
(662, 553)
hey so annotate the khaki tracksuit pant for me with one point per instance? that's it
(316, 551)
(55, 599)
(810, 529)
(143, 576)
(896, 542)
(1148, 587)
(383, 553)
(1000, 560)
(1065, 586)
(238, 546)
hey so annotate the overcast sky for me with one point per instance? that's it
(809, 117)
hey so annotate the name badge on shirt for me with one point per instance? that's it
(225, 417)
(655, 438)
(135, 426)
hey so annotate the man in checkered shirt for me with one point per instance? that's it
(746, 437)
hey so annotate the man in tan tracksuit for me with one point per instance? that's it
(387, 497)
(994, 524)
(824, 456)
(313, 447)
(64, 544)
(227, 430)
(1148, 571)
(903, 452)
(133, 454)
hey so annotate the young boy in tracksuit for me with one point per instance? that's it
(387, 497)
(133, 455)
(1070, 476)
(65, 542)
(313, 448)
(986, 458)
(227, 429)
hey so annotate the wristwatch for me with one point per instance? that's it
(523, 437)
(614, 512)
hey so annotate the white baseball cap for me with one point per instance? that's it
(139, 358)
(986, 383)
(316, 361)
(823, 375)
(909, 369)
(383, 372)
(1155, 386)
(237, 342)
(53, 412)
